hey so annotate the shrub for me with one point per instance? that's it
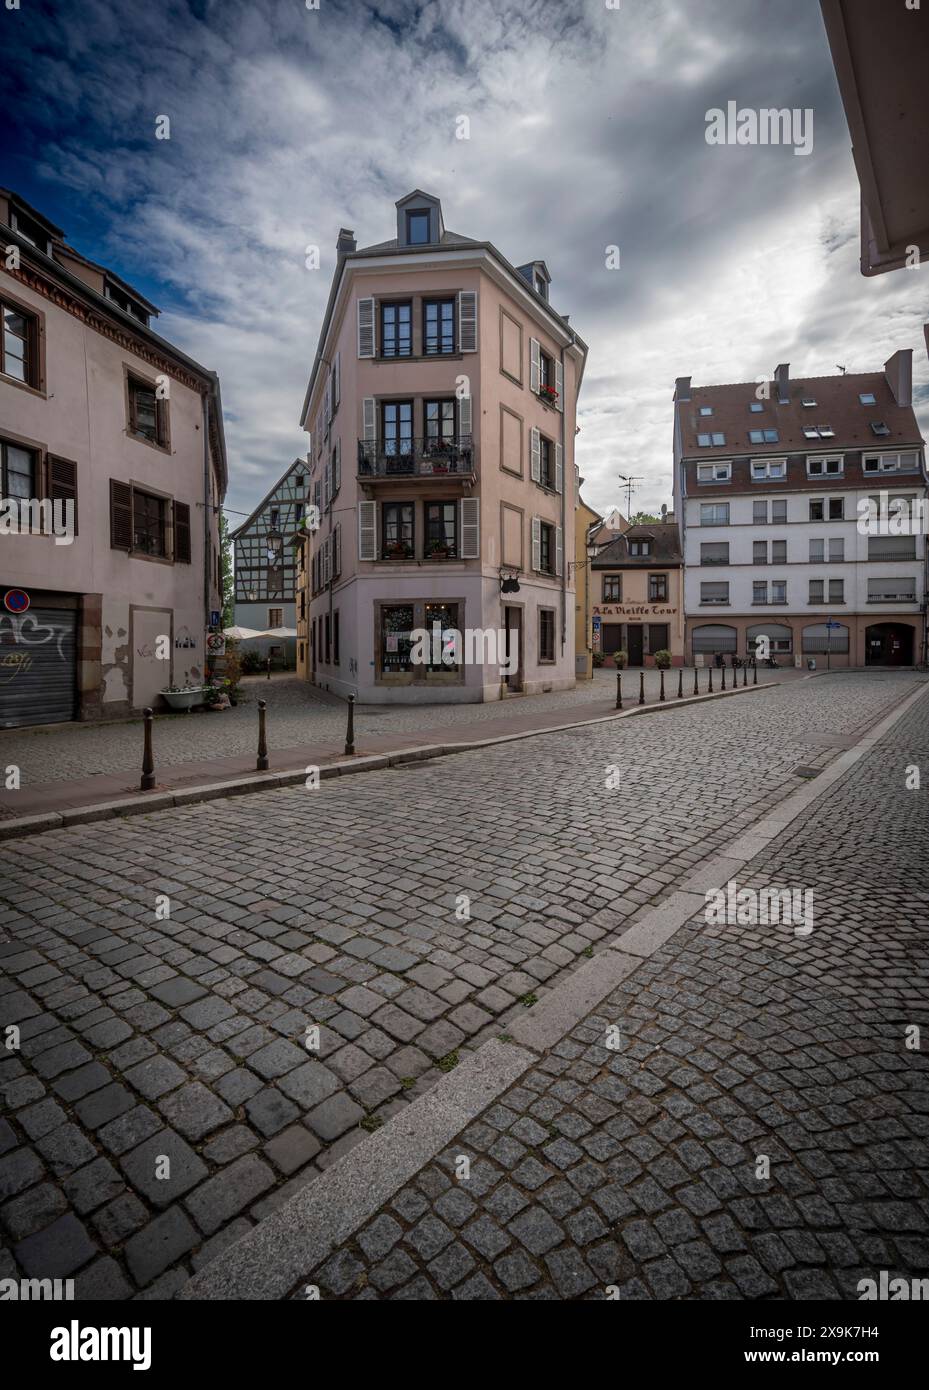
(251, 662)
(621, 659)
(663, 659)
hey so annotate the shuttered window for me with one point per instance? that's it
(181, 533)
(366, 327)
(62, 486)
(467, 321)
(120, 515)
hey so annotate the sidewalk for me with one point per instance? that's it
(71, 794)
(758, 1133)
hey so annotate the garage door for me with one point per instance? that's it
(38, 667)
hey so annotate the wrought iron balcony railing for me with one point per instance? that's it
(389, 458)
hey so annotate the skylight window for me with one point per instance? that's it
(763, 436)
(811, 432)
(808, 402)
(867, 398)
(826, 432)
(703, 441)
(706, 410)
(878, 427)
(755, 407)
(721, 438)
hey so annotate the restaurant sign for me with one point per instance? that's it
(635, 610)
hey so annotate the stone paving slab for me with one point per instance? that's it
(290, 911)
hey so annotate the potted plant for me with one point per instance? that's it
(548, 394)
(214, 697)
(663, 659)
(182, 697)
(438, 550)
(397, 550)
(598, 659)
(620, 660)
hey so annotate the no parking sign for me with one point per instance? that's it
(16, 600)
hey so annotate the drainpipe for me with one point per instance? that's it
(564, 514)
(206, 521)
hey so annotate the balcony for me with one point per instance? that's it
(416, 458)
(877, 556)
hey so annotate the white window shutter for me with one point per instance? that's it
(559, 550)
(327, 484)
(337, 550)
(535, 365)
(535, 456)
(559, 384)
(338, 378)
(467, 321)
(327, 559)
(367, 530)
(337, 466)
(365, 327)
(536, 543)
(470, 515)
(559, 468)
(369, 417)
(464, 417)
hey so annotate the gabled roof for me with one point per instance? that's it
(297, 463)
(446, 239)
(665, 548)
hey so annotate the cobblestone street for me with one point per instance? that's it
(144, 1036)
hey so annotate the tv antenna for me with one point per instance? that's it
(842, 369)
(631, 482)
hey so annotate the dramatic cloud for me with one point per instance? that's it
(587, 130)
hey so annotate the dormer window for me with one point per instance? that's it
(30, 230)
(124, 301)
(643, 547)
(417, 227)
(541, 286)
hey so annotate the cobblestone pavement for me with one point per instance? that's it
(144, 1036)
(296, 715)
(636, 1170)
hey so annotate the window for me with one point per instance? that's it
(441, 530)
(714, 553)
(763, 436)
(836, 508)
(703, 441)
(30, 230)
(825, 467)
(706, 441)
(438, 326)
(148, 524)
(768, 468)
(275, 617)
(657, 588)
(714, 592)
(18, 471)
(327, 629)
(396, 329)
(612, 588)
(275, 518)
(759, 552)
(439, 418)
(889, 463)
(640, 547)
(298, 513)
(546, 634)
(778, 552)
(546, 462)
(836, 549)
(396, 641)
(759, 591)
(18, 345)
(298, 482)
(718, 439)
(714, 514)
(867, 398)
(779, 512)
(827, 509)
(443, 616)
(883, 548)
(397, 530)
(706, 410)
(714, 472)
(397, 435)
(892, 590)
(335, 639)
(778, 590)
(817, 588)
(760, 513)
(817, 552)
(546, 548)
(836, 590)
(808, 402)
(147, 414)
(879, 428)
(417, 228)
(755, 407)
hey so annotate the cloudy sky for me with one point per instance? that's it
(587, 129)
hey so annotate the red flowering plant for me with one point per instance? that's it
(548, 393)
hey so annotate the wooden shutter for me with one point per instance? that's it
(369, 417)
(337, 381)
(559, 550)
(327, 482)
(181, 533)
(559, 468)
(536, 543)
(327, 559)
(535, 365)
(327, 404)
(464, 417)
(365, 327)
(317, 494)
(62, 484)
(535, 456)
(559, 384)
(367, 530)
(467, 321)
(120, 515)
(470, 521)
(337, 550)
(337, 466)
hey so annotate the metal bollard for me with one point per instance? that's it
(148, 760)
(619, 689)
(680, 684)
(755, 674)
(269, 666)
(350, 731)
(723, 669)
(262, 763)
(744, 677)
(641, 687)
(661, 695)
(710, 689)
(696, 681)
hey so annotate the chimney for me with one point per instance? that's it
(664, 511)
(898, 371)
(782, 377)
(682, 388)
(346, 242)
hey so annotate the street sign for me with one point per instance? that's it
(831, 623)
(214, 617)
(16, 600)
(216, 643)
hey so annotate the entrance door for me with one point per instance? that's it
(889, 644)
(38, 667)
(634, 638)
(514, 627)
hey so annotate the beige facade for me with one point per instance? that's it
(439, 462)
(585, 519)
(99, 414)
(637, 595)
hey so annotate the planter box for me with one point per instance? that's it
(182, 699)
